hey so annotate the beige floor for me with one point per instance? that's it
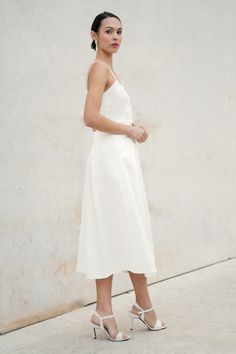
(199, 308)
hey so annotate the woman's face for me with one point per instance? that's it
(110, 33)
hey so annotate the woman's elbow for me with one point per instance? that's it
(89, 120)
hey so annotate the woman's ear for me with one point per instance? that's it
(93, 35)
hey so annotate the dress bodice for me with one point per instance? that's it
(116, 104)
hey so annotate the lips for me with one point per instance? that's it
(115, 45)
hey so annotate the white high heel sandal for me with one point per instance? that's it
(119, 336)
(132, 316)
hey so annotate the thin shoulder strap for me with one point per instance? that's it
(113, 74)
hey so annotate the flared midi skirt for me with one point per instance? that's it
(115, 228)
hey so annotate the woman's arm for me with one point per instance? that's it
(97, 79)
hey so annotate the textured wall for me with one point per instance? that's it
(177, 61)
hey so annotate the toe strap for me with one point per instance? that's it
(119, 336)
(158, 324)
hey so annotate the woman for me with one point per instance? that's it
(115, 229)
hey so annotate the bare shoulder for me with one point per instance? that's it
(97, 75)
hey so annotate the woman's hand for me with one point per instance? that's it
(138, 132)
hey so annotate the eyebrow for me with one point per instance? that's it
(113, 27)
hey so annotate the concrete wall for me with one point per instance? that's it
(177, 61)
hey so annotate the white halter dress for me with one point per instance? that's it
(115, 229)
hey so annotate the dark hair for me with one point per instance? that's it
(97, 22)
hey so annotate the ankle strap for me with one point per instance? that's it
(142, 310)
(102, 318)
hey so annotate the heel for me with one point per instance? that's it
(131, 323)
(132, 316)
(94, 333)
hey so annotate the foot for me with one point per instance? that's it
(150, 316)
(109, 323)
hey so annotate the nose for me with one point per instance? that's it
(115, 36)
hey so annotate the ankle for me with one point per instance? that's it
(145, 304)
(104, 309)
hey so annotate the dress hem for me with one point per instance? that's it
(92, 277)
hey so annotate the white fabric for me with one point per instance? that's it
(115, 229)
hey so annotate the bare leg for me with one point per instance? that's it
(104, 305)
(142, 297)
